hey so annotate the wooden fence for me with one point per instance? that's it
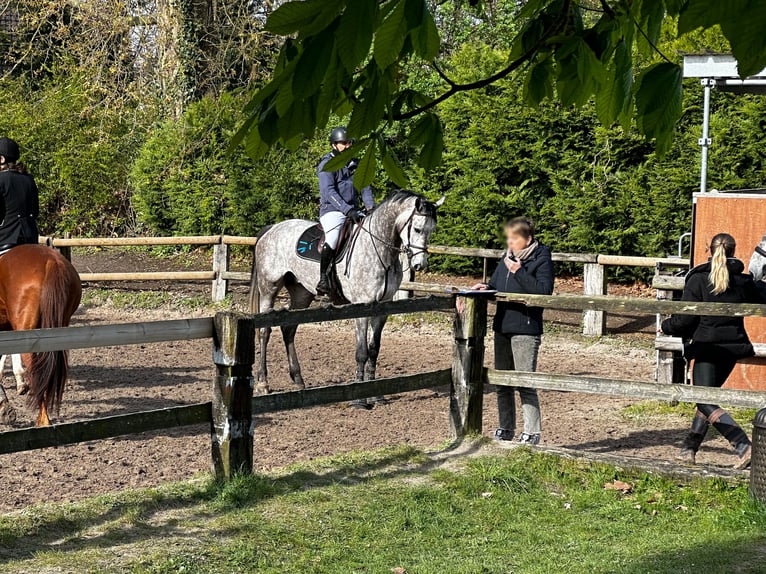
(220, 276)
(230, 412)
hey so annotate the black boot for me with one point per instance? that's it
(732, 432)
(693, 440)
(328, 255)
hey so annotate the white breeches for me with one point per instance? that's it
(332, 223)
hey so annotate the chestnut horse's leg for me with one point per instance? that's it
(42, 417)
(20, 373)
(7, 412)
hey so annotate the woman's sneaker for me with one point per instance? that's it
(504, 435)
(529, 439)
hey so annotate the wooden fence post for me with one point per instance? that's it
(594, 283)
(232, 410)
(467, 391)
(220, 266)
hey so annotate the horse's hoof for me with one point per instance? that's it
(7, 413)
(22, 389)
(262, 389)
(380, 400)
(360, 404)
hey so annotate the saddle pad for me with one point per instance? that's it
(310, 243)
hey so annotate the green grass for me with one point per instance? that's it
(150, 300)
(372, 512)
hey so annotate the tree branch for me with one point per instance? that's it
(483, 83)
(442, 75)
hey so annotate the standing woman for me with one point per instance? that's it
(715, 343)
(526, 267)
(19, 201)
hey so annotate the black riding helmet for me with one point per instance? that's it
(338, 135)
(9, 149)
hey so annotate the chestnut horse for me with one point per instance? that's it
(39, 289)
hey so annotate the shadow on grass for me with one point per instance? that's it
(730, 557)
(131, 517)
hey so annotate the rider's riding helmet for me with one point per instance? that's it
(9, 149)
(338, 135)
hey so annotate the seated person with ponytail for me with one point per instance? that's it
(19, 202)
(715, 343)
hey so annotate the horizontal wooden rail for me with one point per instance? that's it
(285, 317)
(635, 305)
(150, 276)
(630, 389)
(664, 343)
(133, 241)
(83, 337)
(105, 427)
(236, 275)
(237, 240)
(636, 261)
(668, 282)
(316, 396)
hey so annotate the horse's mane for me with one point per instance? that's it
(428, 208)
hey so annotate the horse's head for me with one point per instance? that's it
(758, 261)
(416, 231)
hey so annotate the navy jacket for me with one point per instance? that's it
(19, 208)
(535, 276)
(726, 333)
(337, 191)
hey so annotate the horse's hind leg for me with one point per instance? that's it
(7, 412)
(21, 375)
(362, 327)
(300, 298)
(267, 295)
(373, 350)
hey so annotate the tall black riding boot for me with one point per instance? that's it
(328, 255)
(732, 432)
(693, 440)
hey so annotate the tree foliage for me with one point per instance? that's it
(351, 57)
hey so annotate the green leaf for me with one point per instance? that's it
(241, 133)
(431, 154)
(313, 63)
(340, 160)
(747, 36)
(355, 32)
(421, 130)
(425, 38)
(368, 165)
(292, 16)
(615, 94)
(255, 147)
(284, 98)
(370, 108)
(658, 103)
(707, 13)
(650, 17)
(393, 167)
(538, 86)
(389, 38)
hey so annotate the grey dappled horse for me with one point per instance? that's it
(370, 272)
(758, 261)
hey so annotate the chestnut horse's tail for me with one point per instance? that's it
(48, 371)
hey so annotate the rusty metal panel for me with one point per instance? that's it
(744, 217)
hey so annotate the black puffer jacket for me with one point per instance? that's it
(535, 276)
(725, 333)
(19, 208)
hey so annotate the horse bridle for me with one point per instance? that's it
(760, 251)
(408, 249)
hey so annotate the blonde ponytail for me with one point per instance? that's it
(722, 247)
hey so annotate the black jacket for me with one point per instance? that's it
(535, 276)
(19, 208)
(724, 333)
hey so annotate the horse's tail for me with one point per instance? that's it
(255, 296)
(48, 371)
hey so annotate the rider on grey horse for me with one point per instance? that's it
(339, 200)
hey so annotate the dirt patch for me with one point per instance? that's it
(116, 380)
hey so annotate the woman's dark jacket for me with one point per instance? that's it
(19, 208)
(723, 333)
(535, 276)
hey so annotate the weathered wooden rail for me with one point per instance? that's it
(594, 265)
(232, 411)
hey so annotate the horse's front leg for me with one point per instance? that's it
(373, 350)
(362, 353)
(288, 334)
(7, 412)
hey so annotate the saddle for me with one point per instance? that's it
(311, 242)
(310, 245)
